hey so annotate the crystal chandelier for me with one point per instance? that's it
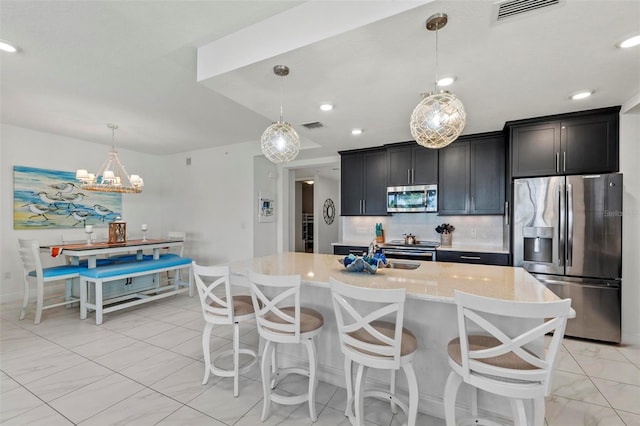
(439, 118)
(280, 143)
(112, 176)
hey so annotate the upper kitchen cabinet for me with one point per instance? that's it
(472, 175)
(567, 144)
(364, 182)
(412, 164)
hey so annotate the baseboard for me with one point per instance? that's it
(630, 339)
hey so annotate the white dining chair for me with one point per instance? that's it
(370, 327)
(281, 319)
(218, 310)
(33, 271)
(500, 362)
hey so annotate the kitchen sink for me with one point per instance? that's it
(403, 265)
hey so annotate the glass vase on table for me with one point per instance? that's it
(144, 231)
(88, 229)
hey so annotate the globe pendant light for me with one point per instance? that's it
(439, 118)
(280, 143)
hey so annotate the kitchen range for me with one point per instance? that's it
(410, 249)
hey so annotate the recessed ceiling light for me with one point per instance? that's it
(326, 107)
(6, 47)
(581, 95)
(308, 182)
(356, 132)
(630, 42)
(446, 81)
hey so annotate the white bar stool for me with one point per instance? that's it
(288, 324)
(218, 311)
(498, 363)
(374, 343)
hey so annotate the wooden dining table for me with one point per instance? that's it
(76, 251)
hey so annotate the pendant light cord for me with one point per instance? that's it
(281, 98)
(437, 63)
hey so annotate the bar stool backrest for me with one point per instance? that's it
(486, 313)
(271, 293)
(217, 309)
(357, 310)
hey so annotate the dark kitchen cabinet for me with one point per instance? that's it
(501, 259)
(364, 182)
(567, 144)
(412, 164)
(472, 175)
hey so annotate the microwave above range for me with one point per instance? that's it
(417, 198)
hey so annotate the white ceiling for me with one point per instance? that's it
(83, 64)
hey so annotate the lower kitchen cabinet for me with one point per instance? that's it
(500, 259)
(347, 250)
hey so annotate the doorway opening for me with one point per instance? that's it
(304, 215)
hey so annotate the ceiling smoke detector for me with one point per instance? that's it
(512, 8)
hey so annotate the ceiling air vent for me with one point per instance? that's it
(314, 125)
(511, 8)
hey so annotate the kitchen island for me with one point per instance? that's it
(430, 313)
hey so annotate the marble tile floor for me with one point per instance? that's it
(144, 366)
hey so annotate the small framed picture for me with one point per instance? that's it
(266, 208)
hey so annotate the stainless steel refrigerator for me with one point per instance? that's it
(567, 231)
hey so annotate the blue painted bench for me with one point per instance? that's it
(128, 270)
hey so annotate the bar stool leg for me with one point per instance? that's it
(267, 358)
(206, 333)
(313, 378)
(236, 357)
(450, 392)
(392, 391)
(348, 364)
(359, 398)
(519, 415)
(412, 382)
(538, 416)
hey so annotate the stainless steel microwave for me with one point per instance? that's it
(417, 198)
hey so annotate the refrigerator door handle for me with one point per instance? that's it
(561, 222)
(569, 224)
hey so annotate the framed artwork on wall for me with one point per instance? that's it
(266, 208)
(51, 199)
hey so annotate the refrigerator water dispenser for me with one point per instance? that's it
(538, 244)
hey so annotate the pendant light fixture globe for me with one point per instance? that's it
(440, 117)
(438, 120)
(280, 142)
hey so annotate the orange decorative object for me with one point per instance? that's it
(117, 232)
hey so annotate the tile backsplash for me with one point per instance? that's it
(476, 230)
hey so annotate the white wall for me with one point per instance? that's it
(629, 166)
(325, 234)
(214, 200)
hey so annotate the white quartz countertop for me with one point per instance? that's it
(431, 281)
